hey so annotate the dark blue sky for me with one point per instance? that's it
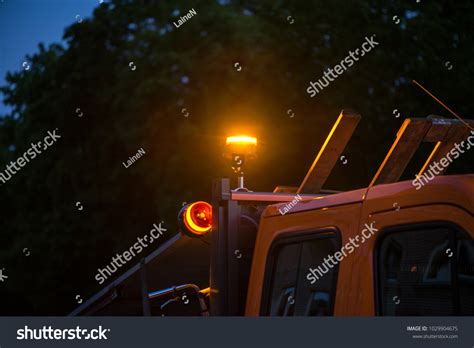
(25, 23)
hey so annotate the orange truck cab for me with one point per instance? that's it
(392, 248)
(398, 251)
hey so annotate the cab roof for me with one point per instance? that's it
(455, 190)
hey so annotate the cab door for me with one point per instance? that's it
(421, 260)
(289, 245)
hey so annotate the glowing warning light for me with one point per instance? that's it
(241, 139)
(240, 149)
(196, 218)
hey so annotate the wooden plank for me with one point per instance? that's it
(330, 152)
(408, 140)
(455, 134)
(430, 157)
(439, 129)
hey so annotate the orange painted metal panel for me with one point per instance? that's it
(446, 198)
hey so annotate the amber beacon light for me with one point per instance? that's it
(239, 149)
(195, 219)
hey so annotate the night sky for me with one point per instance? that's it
(26, 23)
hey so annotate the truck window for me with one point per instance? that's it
(289, 292)
(425, 270)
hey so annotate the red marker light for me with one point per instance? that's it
(196, 218)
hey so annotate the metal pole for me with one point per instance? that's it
(240, 182)
(144, 286)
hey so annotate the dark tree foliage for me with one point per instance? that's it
(192, 67)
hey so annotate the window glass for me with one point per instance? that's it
(291, 293)
(316, 299)
(426, 272)
(284, 280)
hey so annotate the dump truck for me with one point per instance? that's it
(393, 248)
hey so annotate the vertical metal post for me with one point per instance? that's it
(144, 288)
(234, 255)
(218, 272)
(240, 182)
